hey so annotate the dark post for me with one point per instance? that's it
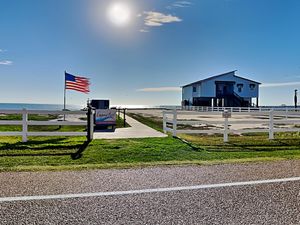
(90, 123)
(295, 99)
(124, 114)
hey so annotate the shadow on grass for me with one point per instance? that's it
(31, 154)
(78, 154)
(234, 147)
(33, 148)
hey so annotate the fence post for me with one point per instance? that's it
(175, 123)
(24, 125)
(226, 129)
(271, 125)
(164, 122)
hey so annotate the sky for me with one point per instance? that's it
(139, 52)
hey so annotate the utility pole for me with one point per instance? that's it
(295, 99)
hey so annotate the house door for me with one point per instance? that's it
(225, 91)
(224, 88)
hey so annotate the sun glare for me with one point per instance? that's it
(119, 13)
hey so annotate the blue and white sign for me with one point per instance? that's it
(105, 116)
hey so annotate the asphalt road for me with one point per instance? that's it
(264, 203)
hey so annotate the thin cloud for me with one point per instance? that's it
(160, 89)
(179, 4)
(144, 30)
(156, 19)
(266, 85)
(178, 89)
(6, 62)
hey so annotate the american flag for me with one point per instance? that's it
(77, 83)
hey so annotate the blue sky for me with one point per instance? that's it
(143, 57)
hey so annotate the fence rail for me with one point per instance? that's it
(25, 123)
(268, 121)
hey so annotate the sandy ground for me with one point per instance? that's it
(209, 119)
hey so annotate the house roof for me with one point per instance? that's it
(213, 77)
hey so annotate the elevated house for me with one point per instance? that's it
(224, 90)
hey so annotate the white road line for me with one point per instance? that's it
(143, 191)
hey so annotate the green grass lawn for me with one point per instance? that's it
(119, 124)
(44, 153)
(155, 123)
(54, 153)
(30, 117)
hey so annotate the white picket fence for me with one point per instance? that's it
(272, 118)
(25, 123)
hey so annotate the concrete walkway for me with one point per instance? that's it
(137, 130)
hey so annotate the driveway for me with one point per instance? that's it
(137, 130)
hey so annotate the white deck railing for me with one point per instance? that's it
(236, 109)
(272, 121)
(25, 123)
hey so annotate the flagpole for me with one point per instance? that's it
(65, 97)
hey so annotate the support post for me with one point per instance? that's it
(175, 123)
(271, 125)
(24, 125)
(90, 123)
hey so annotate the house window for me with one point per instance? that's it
(252, 87)
(240, 87)
(194, 89)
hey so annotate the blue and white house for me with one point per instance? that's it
(224, 90)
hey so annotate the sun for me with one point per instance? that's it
(119, 13)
